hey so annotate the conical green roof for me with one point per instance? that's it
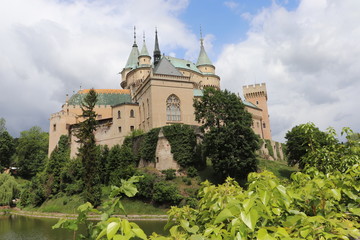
(203, 58)
(144, 51)
(132, 61)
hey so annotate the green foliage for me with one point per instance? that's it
(72, 177)
(277, 148)
(32, 152)
(300, 140)
(56, 164)
(313, 206)
(146, 186)
(191, 172)
(34, 192)
(103, 153)
(109, 227)
(170, 174)
(120, 164)
(187, 180)
(269, 147)
(7, 149)
(88, 150)
(165, 192)
(182, 139)
(9, 189)
(148, 147)
(334, 156)
(229, 141)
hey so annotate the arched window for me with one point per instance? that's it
(148, 107)
(119, 114)
(173, 108)
(132, 113)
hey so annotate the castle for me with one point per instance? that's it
(157, 91)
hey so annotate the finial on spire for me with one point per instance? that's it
(157, 53)
(201, 37)
(134, 34)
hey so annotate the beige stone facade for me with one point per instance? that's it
(154, 94)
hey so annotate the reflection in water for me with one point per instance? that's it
(27, 228)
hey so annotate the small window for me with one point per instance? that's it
(132, 128)
(119, 128)
(119, 114)
(132, 113)
(257, 102)
(264, 126)
(54, 127)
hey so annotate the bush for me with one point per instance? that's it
(192, 172)
(145, 186)
(165, 193)
(187, 181)
(170, 174)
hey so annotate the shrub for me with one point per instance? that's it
(170, 174)
(165, 193)
(145, 186)
(187, 181)
(192, 172)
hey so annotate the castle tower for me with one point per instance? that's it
(204, 63)
(144, 57)
(132, 61)
(157, 53)
(257, 95)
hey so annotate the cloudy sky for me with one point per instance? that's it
(306, 51)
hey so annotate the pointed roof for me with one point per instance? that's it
(203, 58)
(132, 61)
(165, 67)
(144, 51)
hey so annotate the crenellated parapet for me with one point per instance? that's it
(255, 91)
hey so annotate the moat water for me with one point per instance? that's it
(14, 227)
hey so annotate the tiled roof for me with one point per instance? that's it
(181, 63)
(105, 96)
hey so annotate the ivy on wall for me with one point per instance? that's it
(148, 146)
(269, 147)
(182, 139)
(277, 148)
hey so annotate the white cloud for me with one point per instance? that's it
(231, 4)
(309, 59)
(51, 47)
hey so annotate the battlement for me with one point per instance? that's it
(255, 90)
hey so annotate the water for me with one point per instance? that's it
(14, 227)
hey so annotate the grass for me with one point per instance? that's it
(279, 168)
(64, 204)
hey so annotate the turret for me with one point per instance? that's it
(204, 63)
(144, 57)
(157, 53)
(131, 63)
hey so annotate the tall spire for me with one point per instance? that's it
(203, 58)
(134, 45)
(144, 51)
(132, 61)
(157, 53)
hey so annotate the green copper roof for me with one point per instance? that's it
(144, 51)
(132, 61)
(198, 93)
(249, 104)
(181, 63)
(203, 58)
(105, 97)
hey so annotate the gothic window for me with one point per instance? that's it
(173, 108)
(132, 113)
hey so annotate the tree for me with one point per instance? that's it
(2, 125)
(229, 141)
(7, 149)
(300, 140)
(120, 164)
(31, 152)
(87, 150)
(56, 164)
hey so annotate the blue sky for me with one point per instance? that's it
(306, 51)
